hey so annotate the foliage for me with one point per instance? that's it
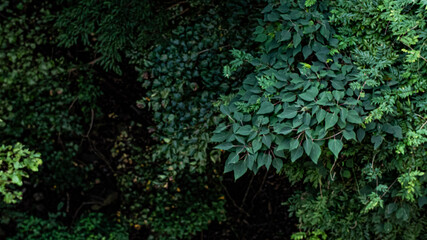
(38, 96)
(183, 80)
(14, 161)
(343, 100)
(171, 206)
(91, 226)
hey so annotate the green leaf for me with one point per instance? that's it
(220, 137)
(232, 158)
(293, 144)
(266, 107)
(422, 201)
(277, 164)
(306, 51)
(330, 120)
(390, 208)
(285, 35)
(320, 115)
(288, 113)
(296, 39)
(338, 95)
(335, 145)
(245, 130)
(266, 139)
(225, 146)
(288, 97)
(285, 130)
(315, 152)
(349, 135)
(388, 227)
(354, 117)
(261, 38)
(346, 174)
(325, 31)
(360, 134)
(403, 214)
(376, 140)
(268, 162)
(310, 94)
(256, 144)
(240, 168)
(308, 145)
(397, 132)
(296, 153)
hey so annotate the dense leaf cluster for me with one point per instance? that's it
(342, 85)
(331, 94)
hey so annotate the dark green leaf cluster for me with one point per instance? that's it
(340, 87)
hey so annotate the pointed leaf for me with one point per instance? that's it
(308, 145)
(376, 140)
(296, 39)
(315, 152)
(330, 120)
(244, 131)
(288, 113)
(296, 153)
(240, 168)
(225, 146)
(360, 134)
(266, 139)
(320, 115)
(335, 145)
(306, 51)
(354, 117)
(277, 164)
(266, 107)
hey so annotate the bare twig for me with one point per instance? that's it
(234, 202)
(247, 191)
(330, 136)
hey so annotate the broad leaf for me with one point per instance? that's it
(335, 145)
(296, 153)
(330, 120)
(244, 131)
(315, 152)
(266, 107)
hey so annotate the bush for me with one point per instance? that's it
(340, 108)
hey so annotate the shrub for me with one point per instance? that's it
(337, 108)
(14, 161)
